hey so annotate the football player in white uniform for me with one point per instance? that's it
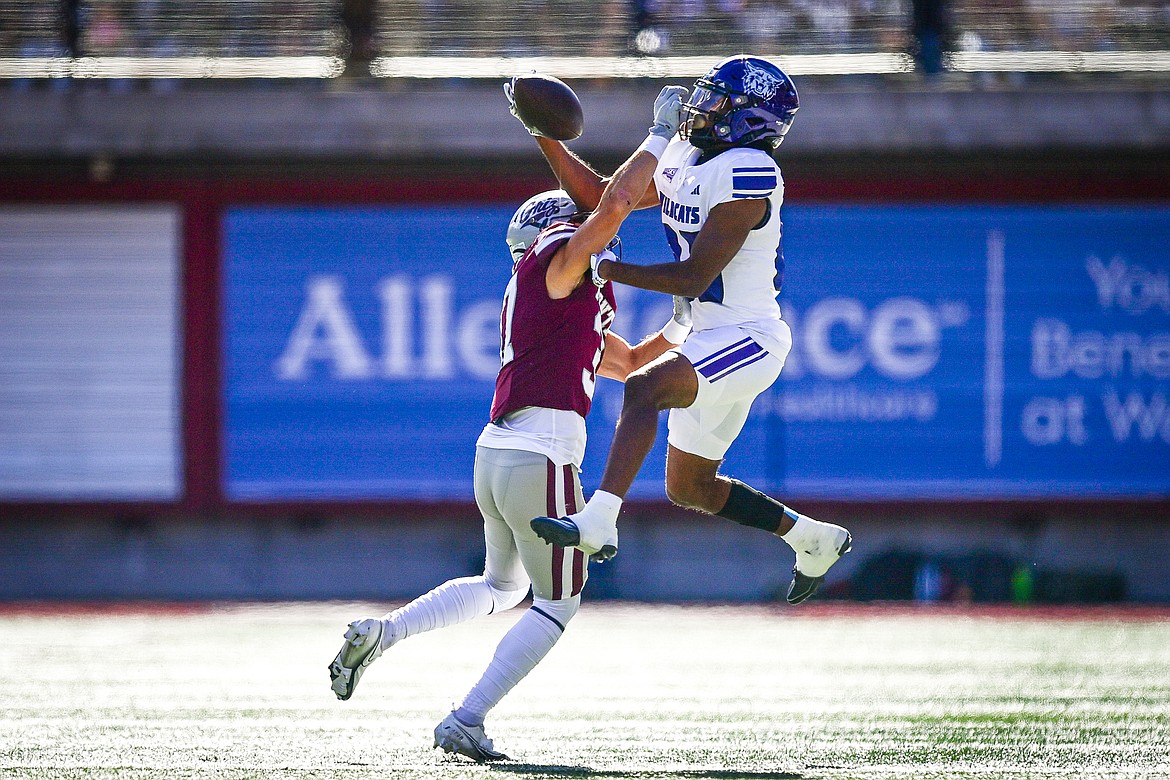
(719, 189)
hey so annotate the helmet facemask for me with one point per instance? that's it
(703, 112)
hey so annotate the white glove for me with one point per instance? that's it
(682, 311)
(508, 93)
(679, 327)
(668, 111)
(595, 261)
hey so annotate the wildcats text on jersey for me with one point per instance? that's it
(685, 215)
(690, 186)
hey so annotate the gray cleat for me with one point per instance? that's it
(362, 646)
(454, 736)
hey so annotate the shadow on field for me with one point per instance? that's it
(555, 770)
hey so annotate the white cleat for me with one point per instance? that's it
(453, 736)
(597, 538)
(362, 646)
(822, 546)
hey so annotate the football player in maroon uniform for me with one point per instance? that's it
(554, 341)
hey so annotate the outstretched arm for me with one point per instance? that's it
(622, 194)
(576, 176)
(620, 359)
(727, 227)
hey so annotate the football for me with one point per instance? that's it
(548, 105)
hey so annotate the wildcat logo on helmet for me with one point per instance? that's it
(759, 82)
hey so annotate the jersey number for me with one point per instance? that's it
(508, 352)
(675, 238)
(589, 375)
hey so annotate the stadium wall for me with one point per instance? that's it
(196, 541)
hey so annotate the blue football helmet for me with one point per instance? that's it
(741, 101)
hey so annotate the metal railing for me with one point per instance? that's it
(574, 38)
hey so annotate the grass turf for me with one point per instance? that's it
(632, 691)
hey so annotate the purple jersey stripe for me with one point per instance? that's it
(727, 361)
(733, 369)
(723, 351)
(753, 182)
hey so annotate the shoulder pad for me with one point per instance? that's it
(553, 235)
(754, 174)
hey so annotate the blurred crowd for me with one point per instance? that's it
(138, 28)
(362, 30)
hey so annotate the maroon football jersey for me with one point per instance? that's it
(550, 349)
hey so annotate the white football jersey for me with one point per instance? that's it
(745, 293)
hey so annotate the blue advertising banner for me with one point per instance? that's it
(939, 352)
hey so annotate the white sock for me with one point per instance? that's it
(518, 653)
(455, 601)
(801, 527)
(603, 505)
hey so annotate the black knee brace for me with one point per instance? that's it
(748, 506)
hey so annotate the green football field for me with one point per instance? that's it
(632, 691)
